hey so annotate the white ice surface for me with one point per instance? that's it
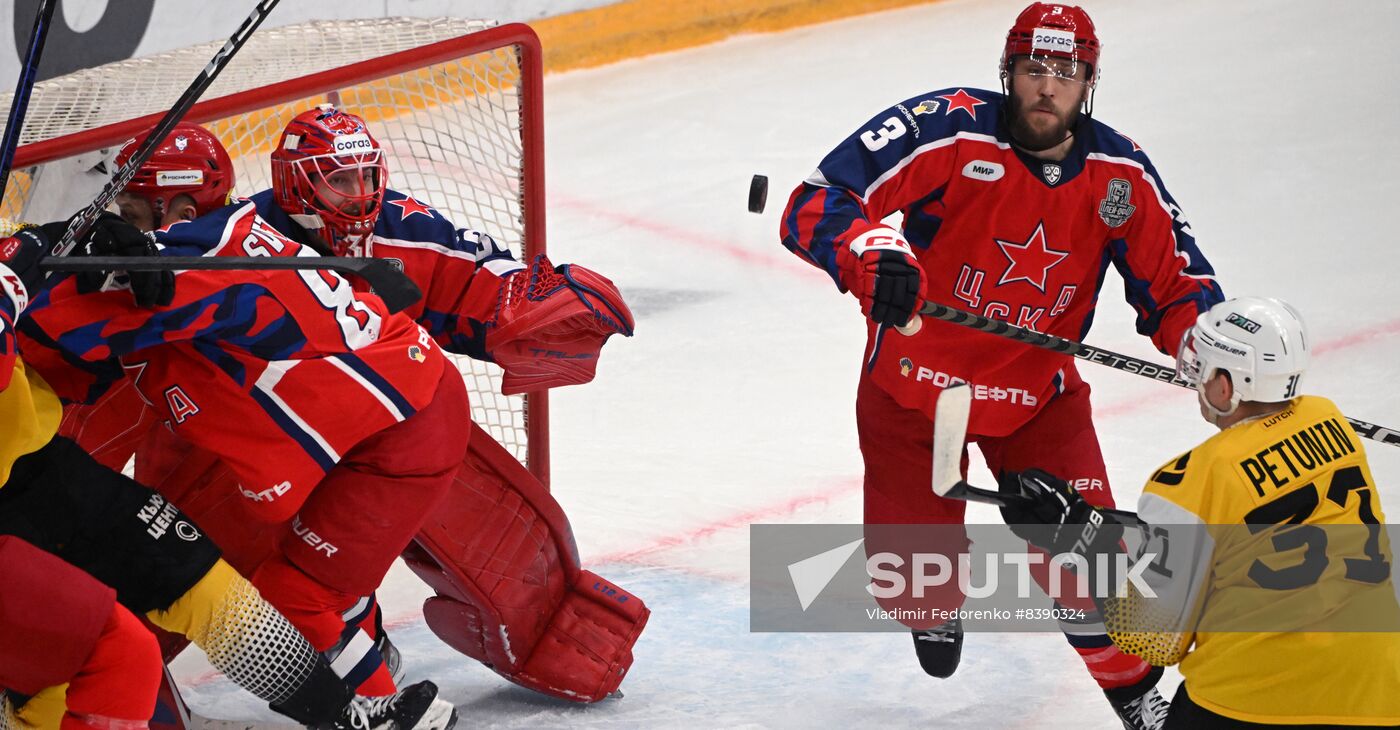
(1274, 123)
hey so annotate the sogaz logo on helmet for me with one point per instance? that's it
(176, 178)
(1050, 39)
(983, 170)
(352, 143)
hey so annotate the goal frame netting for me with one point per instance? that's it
(535, 407)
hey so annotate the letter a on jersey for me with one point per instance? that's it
(1029, 261)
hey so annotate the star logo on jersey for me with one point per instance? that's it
(409, 206)
(960, 99)
(134, 371)
(1030, 261)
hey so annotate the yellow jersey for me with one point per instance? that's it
(29, 415)
(1273, 572)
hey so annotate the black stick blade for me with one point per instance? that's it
(391, 284)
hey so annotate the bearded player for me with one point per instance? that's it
(1014, 206)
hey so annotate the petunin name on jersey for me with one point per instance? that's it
(1296, 455)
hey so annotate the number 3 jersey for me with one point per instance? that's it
(280, 373)
(1005, 235)
(1272, 559)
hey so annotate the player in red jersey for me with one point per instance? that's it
(188, 175)
(545, 326)
(475, 292)
(1014, 206)
(238, 365)
(159, 563)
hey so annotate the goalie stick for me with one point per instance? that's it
(20, 103)
(79, 225)
(949, 435)
(1126, 363)
(392, 285)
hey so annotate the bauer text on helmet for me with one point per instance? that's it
(1261, 343)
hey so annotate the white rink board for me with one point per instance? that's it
(734, 402)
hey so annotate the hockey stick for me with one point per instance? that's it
(1126, 363)
(392, 285)
(79, 225)
(949, 435)
(20, 104)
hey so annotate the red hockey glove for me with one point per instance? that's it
(550, 324)
(1070, 524)
(20, 277)
(879, 268)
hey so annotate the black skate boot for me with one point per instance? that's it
(940, 648)
(416, 707)
(1139, 709)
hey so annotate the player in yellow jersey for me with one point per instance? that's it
(1271, 566)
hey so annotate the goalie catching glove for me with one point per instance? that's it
(879, 268)
(550, 324)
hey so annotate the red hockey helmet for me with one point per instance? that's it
(191, 161)
(329, 169)
(1053, 30)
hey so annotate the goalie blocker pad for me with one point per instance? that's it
(550, 325)
(501, 556)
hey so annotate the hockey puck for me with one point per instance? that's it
(758, 193)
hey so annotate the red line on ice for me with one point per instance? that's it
(741, 519)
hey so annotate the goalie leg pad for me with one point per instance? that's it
(501, 556)
(584, 652)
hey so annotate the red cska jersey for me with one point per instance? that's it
(459, 270)
(1005, 235)
(279, 373)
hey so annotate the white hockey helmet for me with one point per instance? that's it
(1261, 342)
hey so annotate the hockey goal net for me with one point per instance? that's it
(455, 103)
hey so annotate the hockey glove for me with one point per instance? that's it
(550, 324)
(879, 268)
(1055, 517)
(111, 235)
(20, 277)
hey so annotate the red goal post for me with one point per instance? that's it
(456, 104)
